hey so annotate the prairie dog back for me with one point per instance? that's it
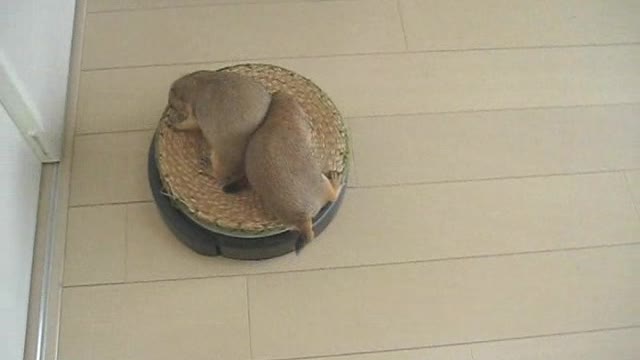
(281, 168)
(230, 105)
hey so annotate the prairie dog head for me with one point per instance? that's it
(226, 107)
(182, 95)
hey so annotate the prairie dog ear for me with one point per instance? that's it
(183, 87)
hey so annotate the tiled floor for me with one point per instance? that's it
(495, 207)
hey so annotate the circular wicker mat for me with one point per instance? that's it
(184, 172)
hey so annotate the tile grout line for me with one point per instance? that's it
(115, 132)
(352, 170)
(374, 53)
(411, 184)
(205, 5)
(115, 203)
(629, 188)
(412, 114)
(402, 24)
(372, 265)
(489, 179)
(468, 343)
(505, 109)
(246, 283)
(126, 242)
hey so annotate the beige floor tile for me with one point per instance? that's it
(110, 168)
(476, 80)
(127, 99)
(400, 306)
(111, 5)
(118, 100)
(95, 251)
(617, 344)
(601, 345)
(442, 147)
(445, 353)
(153, 252)
(352, 179)
(470, 24)
(215, 33)
(424, 223)
(191, 319)
(633, 179)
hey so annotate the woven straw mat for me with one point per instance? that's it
(184, 173)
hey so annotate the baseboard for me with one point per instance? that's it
(42, 257)
(47, 275)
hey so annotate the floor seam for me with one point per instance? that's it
(629, 188)
(365, 266)
(412, 114)
(402, 24)
(187, 6)
(409, 184)
(126, 243)
(84, 134)
(489, 179)
(115, 203)
(374, 53)
(246, 282)
(469, 343)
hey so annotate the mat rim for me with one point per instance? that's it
(238, 233)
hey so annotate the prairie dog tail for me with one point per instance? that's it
(306, 234)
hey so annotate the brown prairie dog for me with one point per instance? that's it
(227, 107)
(282, 170)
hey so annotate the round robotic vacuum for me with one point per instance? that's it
(235, 225)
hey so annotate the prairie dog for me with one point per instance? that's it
(282, 170)
(227, 107)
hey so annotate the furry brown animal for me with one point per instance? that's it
(227, 107)
(282, 170)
